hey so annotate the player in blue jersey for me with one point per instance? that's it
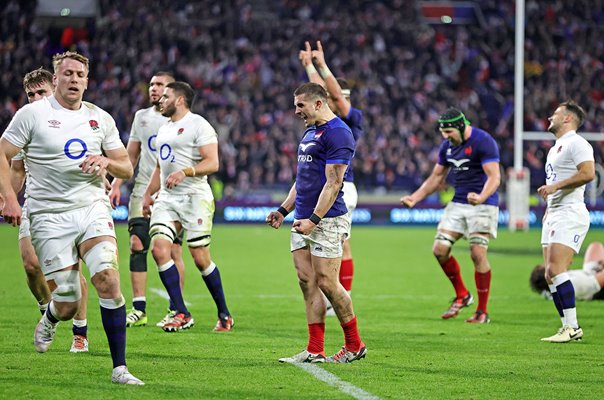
(472, 157)
(321, 224)
(339, 102)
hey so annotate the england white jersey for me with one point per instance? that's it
(56, 141)
(145, 126)
(178, 147)
(569, 151)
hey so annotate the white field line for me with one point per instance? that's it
(315, 371)
(164, 295)
(336, 382)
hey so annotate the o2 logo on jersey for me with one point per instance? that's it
(75, 148)
(550, 175)
(151, 143)
(165, 153)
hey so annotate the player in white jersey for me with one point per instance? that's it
(569, 167)
(187, 153)
(142, 150)
(588, 282)
(37, 85)
(68, 208)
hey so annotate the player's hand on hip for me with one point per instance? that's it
(174, 179)
(95, 164)
(304, 226)
(274, 219)
(12, 212)
(407, 201)
(474, 199)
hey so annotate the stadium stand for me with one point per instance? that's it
(241, 57)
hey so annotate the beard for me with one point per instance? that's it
(553, 128)
(168, 111)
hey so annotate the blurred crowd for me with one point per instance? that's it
(242, 58)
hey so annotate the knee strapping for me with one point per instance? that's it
(479, 241)
(139, 227)
(162, 231)
(68, 288)
(100, 257)
(112, 304)
(200, 241)
(444, 239)
(138, 261)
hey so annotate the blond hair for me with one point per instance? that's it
(58, 58)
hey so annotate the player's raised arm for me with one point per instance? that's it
(305, 57)
(342, 106)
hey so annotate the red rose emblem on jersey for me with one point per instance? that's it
(181, 130)
(94, 125)
(559, 149)
(468, 150)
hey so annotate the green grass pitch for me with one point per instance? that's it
(399, 293)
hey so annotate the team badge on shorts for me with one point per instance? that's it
(199, 221)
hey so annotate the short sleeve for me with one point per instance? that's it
(206, 134)
(339, 146)
(20, 128)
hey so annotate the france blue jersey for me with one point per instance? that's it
(330, 143)
(465, 163)
(354, 120)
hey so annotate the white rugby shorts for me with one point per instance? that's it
(135, 207)
(24, 227)
(567, 225)
(467, 219)
(56, 236)
(350, 198)
(326, 239)
(193, 211)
